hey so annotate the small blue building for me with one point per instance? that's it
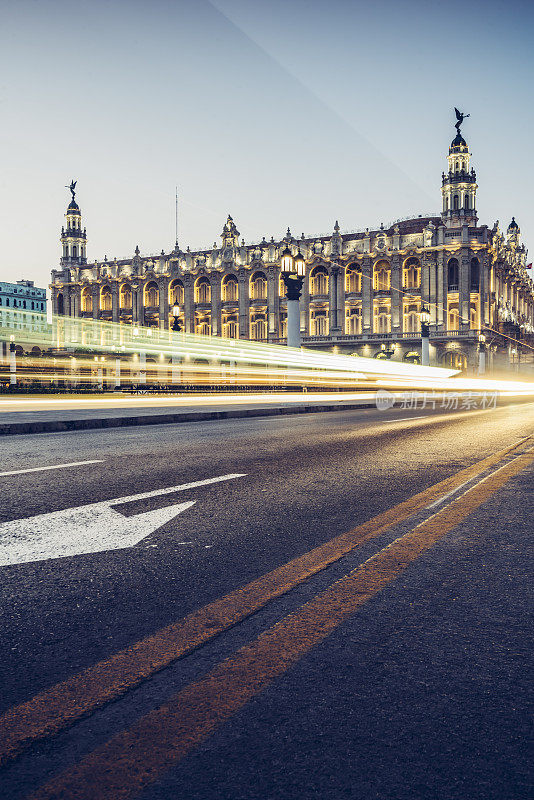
(22, 295)
(23, 318)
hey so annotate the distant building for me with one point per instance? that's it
(363, 291)
(23, 296)
(23, 317)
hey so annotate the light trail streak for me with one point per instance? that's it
(163, 359)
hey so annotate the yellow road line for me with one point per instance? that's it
(54, 709)
(133, 759)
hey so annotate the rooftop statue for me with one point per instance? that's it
(460, 118)
(72, 187)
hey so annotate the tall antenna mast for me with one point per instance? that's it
(176, 221)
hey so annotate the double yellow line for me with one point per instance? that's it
(134, 758)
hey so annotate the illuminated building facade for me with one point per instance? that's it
(362, 294)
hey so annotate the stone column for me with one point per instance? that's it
(75, 304)
(216, 321)
(396, 294)
(272, 303)
(367, 295)
(483, 289)
(244, 304)
(95, 290)
(341, 300)
(189, 304)
(163, 287)
(444, 257)
(135, 304)
(441, 291)
(141, 304)
(432, 288)
(464, 293)
(305, 304)
(115, 302)
(332, 299)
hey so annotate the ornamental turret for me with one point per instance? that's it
(73, 238)
(513, 233)
(459, 184)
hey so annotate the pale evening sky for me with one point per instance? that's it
(281, 113)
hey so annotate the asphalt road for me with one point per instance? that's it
(419, 687)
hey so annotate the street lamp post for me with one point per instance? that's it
(176, 328)
(12, 363)
(425, 330)
(176, 324)
(388, 349)
(481, 354)
(293, 271)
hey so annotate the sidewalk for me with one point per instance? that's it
(30, 414)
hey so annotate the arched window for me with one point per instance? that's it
(87, 299)
(453, 318)
(202, 291)
(203, 326)
(60, 305)
(281, 287)
(411, 277)
(74, 251)
(455, 360)
(446, 204)
(230, 328)
(475, 274)
(125, 296)
(230, 290)
(319, 281)
(105, 299)
(382, 276)
(466, 201)
(258, 286)
(353, 321)
(452, 275)
(176, 293)
(151, 295)
(319, 322)
(258, 328)
(456, 201)
(353, 279)
(381, 319)
(410, 322)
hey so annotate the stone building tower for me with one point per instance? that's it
(73, 238)
(459, 186)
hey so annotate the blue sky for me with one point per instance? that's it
(280, 113)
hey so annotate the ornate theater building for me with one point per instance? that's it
(362, 293)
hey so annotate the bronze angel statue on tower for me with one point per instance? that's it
(72, 187)
(460, 118)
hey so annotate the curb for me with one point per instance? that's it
(47, 426)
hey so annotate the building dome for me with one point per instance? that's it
(73, 206)
(513, 225)
(458, 141)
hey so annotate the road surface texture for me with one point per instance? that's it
(341, 614)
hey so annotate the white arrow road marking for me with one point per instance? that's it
(88, 529)
(54, 466)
